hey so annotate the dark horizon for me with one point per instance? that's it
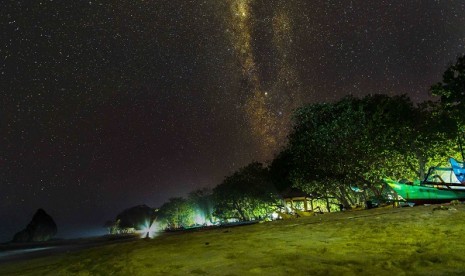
(111, 105)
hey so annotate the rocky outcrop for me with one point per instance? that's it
(41, 228)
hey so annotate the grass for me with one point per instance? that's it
(384, 241)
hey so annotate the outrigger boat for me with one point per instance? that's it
(441, 185)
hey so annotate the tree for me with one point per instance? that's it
(452, 96)
(202, 201)
(357, 142)
(409, 138)
(329, 148)
(452, 90)
(137, 217)
(112, 226)
(246, 194)
(177, 213)
(280, 169)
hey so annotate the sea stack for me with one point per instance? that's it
(41, 228)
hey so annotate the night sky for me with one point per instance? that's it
(110, 104)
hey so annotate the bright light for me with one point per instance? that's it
(275, 216)
(149, 231)
(199, 219)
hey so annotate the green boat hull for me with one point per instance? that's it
(423, 194)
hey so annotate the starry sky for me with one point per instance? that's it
(110, 104)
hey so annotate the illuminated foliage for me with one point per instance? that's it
(177, 213)
(112, 226)
(202, 201)
(245, 195)
(357, 142)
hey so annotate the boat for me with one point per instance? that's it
(441, 185)
(458, 168)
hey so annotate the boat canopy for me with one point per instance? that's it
(459, 169)
(441, 175)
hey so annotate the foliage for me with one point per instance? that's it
(136, 217)
(328, 149)
(112, 226)
(452, 94)
(177, 213)
(415, 137)
(333, 147)
(452, 90)
(202, 201)
(279, 170)
(357, 142)
(245, 195)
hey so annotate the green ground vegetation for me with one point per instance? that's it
(424, 240)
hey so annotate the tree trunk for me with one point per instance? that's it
(327, 204)
(421, 166)
(344, 198)
(240, 211)
(422, 169)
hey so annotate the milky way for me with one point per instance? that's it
(260, 118)
(108, 104)
(268, 105)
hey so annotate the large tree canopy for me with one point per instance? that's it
(452, 94)
(357, 142)
(247, 194)
(177, 213)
